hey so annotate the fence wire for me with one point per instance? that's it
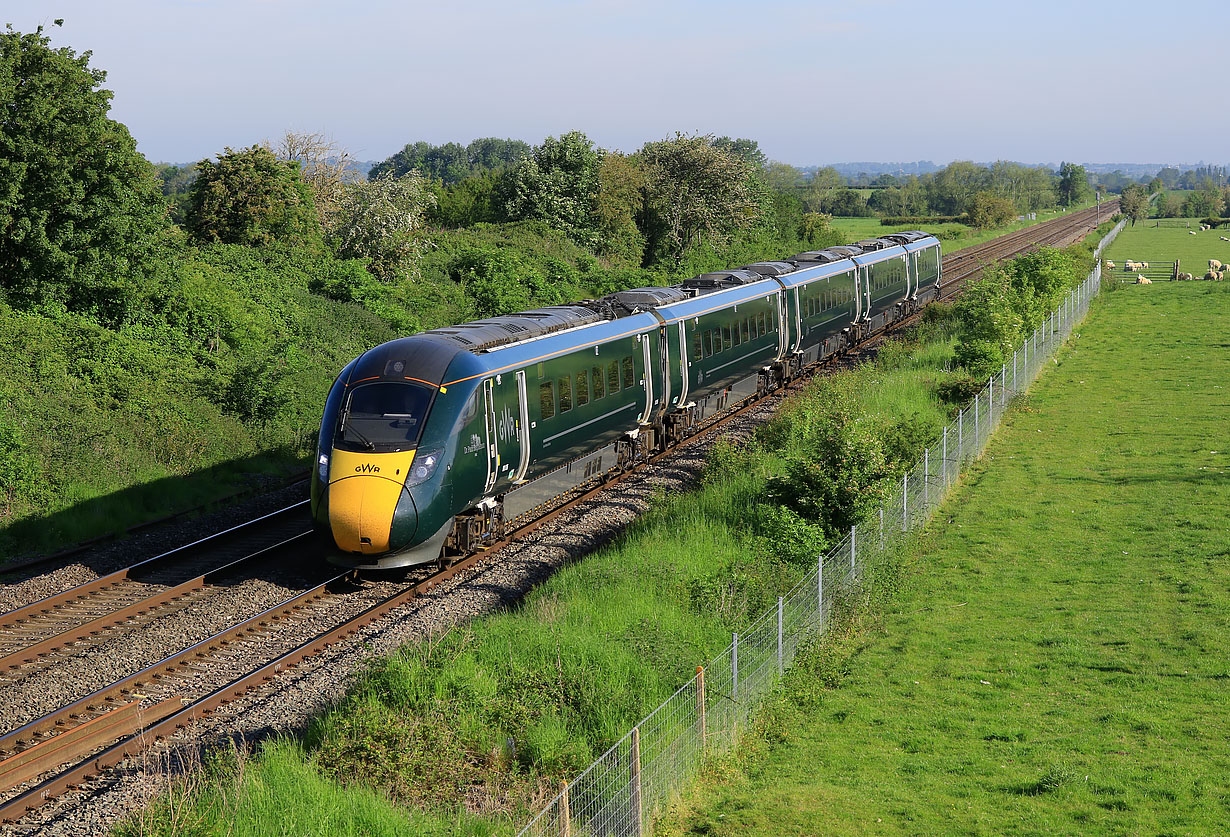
(623, 791)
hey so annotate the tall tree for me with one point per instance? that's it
(697, 191)
(618, 204)
(80, 208)
(1134, 203)
(1073, 184)
(380, 220)
(746, 149)
(324, 166)
(251, 197)
(558, 184)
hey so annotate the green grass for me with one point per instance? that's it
(1147, 243)
(1059, 661)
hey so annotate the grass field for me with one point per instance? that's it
(1058, 660)
(1147, 243)
(856, 229)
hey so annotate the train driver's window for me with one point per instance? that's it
(546, 395)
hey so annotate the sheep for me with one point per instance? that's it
(1214, 264)
(1143, 280)
(1130, 265)
(1223, 238)
(1212, 276)
(1144, 265)
(1185, 277)
(1109, 264)
(1191, 232)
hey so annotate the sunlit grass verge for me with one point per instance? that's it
(1056, 659)
(477, 727)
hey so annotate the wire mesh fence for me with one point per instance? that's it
(621, 792)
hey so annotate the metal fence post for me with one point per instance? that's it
(700, 704)
(852, 553)
(990, 406)
(926, 479)
(734, 668)
(960, 436)
(905, 502)
(1015, 391)
(820, 590)
(881, 528)
(1003, 385)
(635, 781)
(779, 636)
(977, 438)
(944, 457)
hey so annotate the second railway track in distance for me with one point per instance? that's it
(43, 756)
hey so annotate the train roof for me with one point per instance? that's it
(721, 298)
(481, 335)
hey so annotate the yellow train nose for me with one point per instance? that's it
(364, 489)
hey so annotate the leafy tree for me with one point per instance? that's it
(783, 177)
(251, 197)
(1134, 203)
(821, 186)
(1073, 184)
(951, 189)
(1169, 205)
(746, 149)
(697, 192)
(1203, 204)
(620, 200)
(558, 184)
(379, 220)
(474, 200)
(451, 163)
(80, 208)
(989, 210)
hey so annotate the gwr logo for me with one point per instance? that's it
(367, 468)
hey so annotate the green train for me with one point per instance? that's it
(434, 445)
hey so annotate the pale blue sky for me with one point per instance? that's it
(1037, 81)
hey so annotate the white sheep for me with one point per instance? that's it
(1191, 232)
(1223, 238)
(1109, 264)
(1214, 264)
(1144, 265)
(1212, 275)
(1143, 280)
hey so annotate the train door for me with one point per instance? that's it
(493, 441)
(647, 373)
(911, 273)
(667, 337)
(522, 429)
(862, 278)
(684, 364)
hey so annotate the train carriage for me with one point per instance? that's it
(439, 440)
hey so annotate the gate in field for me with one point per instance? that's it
(1130, 271)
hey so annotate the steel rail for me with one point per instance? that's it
(83, 592)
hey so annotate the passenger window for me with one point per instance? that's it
(708, 342)
(565, 393)
(726, 344)
(546, 396)
(612, 377)
(696, 352)
(760, 324)
(599, 389)
(746, 330)
(735, 332)
(629, 373)
(582, 388)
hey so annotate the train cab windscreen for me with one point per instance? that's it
(384, 417)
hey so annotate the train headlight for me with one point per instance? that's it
(323, 468)
(424, 466)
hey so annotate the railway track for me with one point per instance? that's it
(51, 754)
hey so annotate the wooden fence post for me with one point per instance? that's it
(565, 808)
